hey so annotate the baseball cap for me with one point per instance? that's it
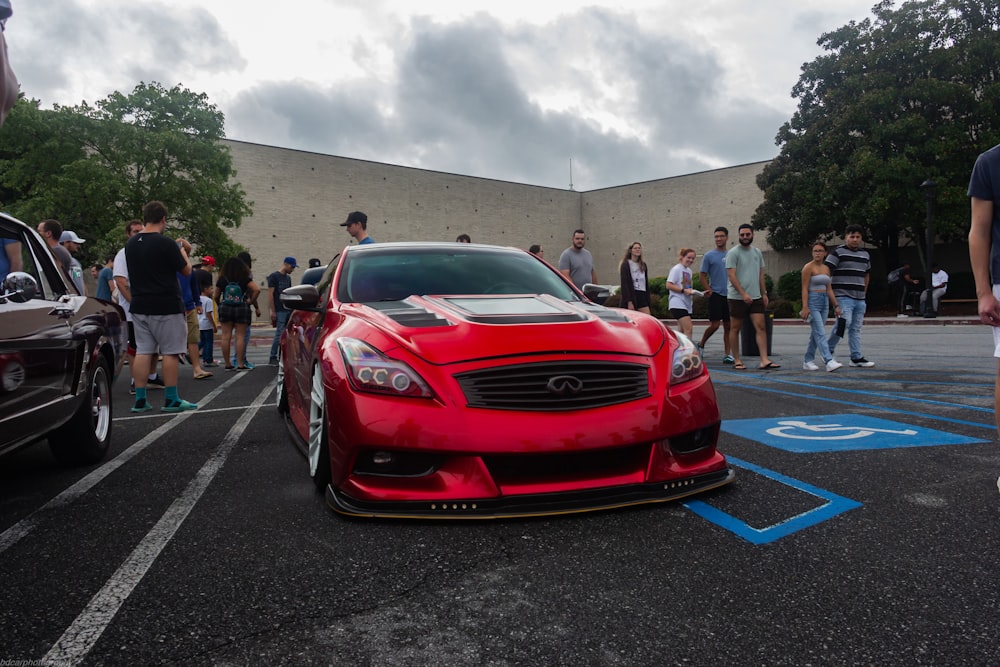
(356, 216)
(291, 260)
(70, 236)
(208, 259)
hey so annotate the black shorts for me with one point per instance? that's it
(718, 307)
(678, 313)
(740, 309)
(235, 314)
(641, 299)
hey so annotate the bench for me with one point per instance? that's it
(959, 302)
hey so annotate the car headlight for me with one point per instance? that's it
(686, 364)
(370, 370)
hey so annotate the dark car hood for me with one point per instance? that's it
(450, 329)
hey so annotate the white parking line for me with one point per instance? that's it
(12, 535)
(80, 637)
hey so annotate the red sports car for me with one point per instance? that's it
(447, 380)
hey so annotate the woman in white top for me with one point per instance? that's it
(634, 279)
(817, 297)
(681, 290)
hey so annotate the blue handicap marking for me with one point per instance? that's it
(832, 506)
(839, 433)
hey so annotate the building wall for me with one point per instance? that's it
(300, 199)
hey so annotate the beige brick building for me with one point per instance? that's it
(300, 199)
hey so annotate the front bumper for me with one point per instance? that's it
(547, 504)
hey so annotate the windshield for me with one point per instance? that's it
(392, 274)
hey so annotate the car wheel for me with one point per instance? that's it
(281, 390)
(85, 438)
(319, 445)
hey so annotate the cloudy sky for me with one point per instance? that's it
(515, 90)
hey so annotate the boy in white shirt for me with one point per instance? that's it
(207, 326)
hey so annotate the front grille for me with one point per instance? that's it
(555, 386)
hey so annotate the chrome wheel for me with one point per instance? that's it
(319, 449)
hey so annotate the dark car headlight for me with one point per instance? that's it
(686, 363)
(370, 370)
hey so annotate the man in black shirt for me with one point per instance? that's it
(154, 261)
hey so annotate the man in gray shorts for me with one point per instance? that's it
(157, 309)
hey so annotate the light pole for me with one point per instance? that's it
(930, 194)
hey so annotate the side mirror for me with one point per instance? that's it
(300, 297)
(597, 293)
(18, 287)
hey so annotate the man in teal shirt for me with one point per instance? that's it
(747, 296)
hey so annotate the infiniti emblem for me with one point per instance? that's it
(564, 385)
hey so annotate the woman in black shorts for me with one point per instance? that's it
(235, 293)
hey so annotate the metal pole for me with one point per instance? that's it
(930, 192)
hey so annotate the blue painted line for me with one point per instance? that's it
(835, 505)
(909, 398)
(866, 406)
(839, 433)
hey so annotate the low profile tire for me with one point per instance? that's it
(319, 444)
(86, 437)
(280, 389)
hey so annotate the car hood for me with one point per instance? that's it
(450, 329)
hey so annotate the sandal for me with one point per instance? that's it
(738, 366)
(202, 375)
(769, 366)
(230, 368)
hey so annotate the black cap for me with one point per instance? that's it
(357, 216)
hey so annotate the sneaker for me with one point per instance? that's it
(833, 365)
(131, 388)
(902, 315)
(729, 359)
(273, 361)
(209, 364)
(142, 406)
(861, 363)
(810, 366)
(155, 383)
(248, 366)
(178, 406)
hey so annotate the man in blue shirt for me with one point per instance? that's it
(715, 285)
(357, 227)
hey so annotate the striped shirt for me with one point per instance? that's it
(848, 269)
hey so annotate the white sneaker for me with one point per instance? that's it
(902, 315)
(810, 366)
(861, 363)
(833, 365)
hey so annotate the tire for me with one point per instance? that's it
(318, 453)
(86, 437)
(280, 389)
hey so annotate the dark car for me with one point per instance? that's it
(449, 380)
(59, 354)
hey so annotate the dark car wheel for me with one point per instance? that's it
(85, 438)
(319, 445)
(280, 390)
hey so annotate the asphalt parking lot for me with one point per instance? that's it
(862, 529)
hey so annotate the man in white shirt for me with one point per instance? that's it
(939, 285)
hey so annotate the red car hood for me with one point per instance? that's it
(450, 329)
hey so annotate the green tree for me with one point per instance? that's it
(93, 167)
(910, 95)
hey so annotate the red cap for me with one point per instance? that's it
(208, 259)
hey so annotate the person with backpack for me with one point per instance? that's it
(903, 284)
(235, 292)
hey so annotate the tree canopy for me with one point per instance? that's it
(911, 95)
(93, 167)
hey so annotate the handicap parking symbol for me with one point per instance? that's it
(838, 433)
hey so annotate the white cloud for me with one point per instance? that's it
(630, 91)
